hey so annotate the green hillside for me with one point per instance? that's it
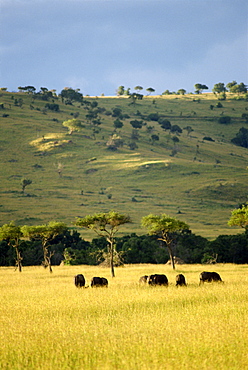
(197, 175)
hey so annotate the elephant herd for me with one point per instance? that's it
(152, 280)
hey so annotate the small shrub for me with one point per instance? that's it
(224, 120)
(208, 138)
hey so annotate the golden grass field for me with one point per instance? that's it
(47, 323)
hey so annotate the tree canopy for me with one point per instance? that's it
(73, 125)
(45, 233)
(239, 217)
(12, 234)
(163, 227)
(105, 225)
(200, 87)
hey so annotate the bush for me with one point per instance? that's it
(153, 117)
(208, 138)
(224, 120)
(241, 138)
(53, 107)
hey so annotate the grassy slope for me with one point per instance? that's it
(205, 189)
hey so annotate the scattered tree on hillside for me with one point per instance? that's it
(73, 125)
(138, 88)
(120, 90)
(118, 123)
(25, 183)
(181, 92)
(136, 124)
(219, 88)
(239, 217)
(12, 234)
(127, 91)
(164, 123)
(105, 225)
(117, 112)
(199, 88)
(189, 129)
(29, 89)
(150, 90)
(134, 97)
(154, 137)
(164, 227)
(114, 142)
(224, 120)
(241, 138)
(69, 95)
(45, 233)
(166, 92)
(236, 88)
(231, 85)
(177, 129)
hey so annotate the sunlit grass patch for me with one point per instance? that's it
(46, 322)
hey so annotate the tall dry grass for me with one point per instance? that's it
(47, 323)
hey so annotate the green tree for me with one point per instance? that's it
(45, 233)
(105, 225)
(237, 88)
(231, 85)
(219, 88)
(199, 88)
(164, 123)
(73, 125)
(181, 92)
(138, 88)
(164, 227)
(25, 183)
(12, 234)
(136, 123)
(134, 97)
(71, 95)
(239, 217)
(118, 123)
(241, 138)
(114, 142)
(150, 90)
(240, 89)
(120, 90)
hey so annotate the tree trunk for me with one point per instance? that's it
(112, 258)
(18, 260)
(171, 257)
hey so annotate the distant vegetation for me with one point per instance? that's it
(67, 155)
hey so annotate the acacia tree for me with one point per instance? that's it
(73, 125)
(45, 233)
(239, 217)
(164, 227)
(219, 88)
(105, 225)
(150, 90)
(12, 234)
(199, 88)
(25, 183)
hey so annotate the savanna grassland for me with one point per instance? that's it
(182, 174)
(47, 323)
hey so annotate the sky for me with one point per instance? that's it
(99, 45)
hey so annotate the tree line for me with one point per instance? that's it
(166, 238)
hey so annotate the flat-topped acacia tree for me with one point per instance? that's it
(164, 227)
(13, 234)
(46, 233)
(105, 225)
